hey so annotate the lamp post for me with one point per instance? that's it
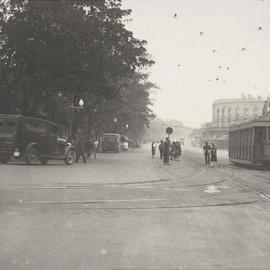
(73, 108)
(115, 121)
(126, 129)
(81, 103)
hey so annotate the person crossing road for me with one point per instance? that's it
(80, 148)
(206, 152)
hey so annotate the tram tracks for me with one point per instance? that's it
(237, 179)
(148, 202)
(155, 183)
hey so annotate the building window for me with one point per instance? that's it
(229, 116)
(217, 118)
(223, 111)
(237, 114)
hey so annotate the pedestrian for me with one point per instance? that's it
(213, 154)
(161, 149)
(95, 147)
(80, 148)
(153, 149)
(166, 155)
(206, 152)
(178, 150)
(171, 151)
(88, 147)
(175, 151)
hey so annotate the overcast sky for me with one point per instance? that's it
(198, 49)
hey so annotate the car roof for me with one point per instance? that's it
(14, 116)
(108, 134)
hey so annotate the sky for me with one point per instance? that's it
(203, 50)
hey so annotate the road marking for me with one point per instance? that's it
(43, 187)
(265, 196)
(223, 187)
(95, 201)
(143, 187)
(212, 189)
(177, 189)
(198, 175)
(88, 185)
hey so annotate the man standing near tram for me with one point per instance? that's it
(206, 152)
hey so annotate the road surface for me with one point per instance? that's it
(129, 211)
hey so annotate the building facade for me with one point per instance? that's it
(230, 112)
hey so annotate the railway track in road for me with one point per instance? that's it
(155, 183)
(129, 184)
(234, 175)
(164, 193)
(237, 180)
(246, 171)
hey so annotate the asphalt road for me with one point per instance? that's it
(129, 211)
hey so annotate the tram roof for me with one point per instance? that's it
(260, 122)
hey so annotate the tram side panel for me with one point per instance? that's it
(241, 146)
(258, 145)
(249, 143)
(266, 145)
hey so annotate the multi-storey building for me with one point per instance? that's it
(229, 112)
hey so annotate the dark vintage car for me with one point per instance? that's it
(110, 142)
(33, 140)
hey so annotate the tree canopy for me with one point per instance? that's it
(54, 53)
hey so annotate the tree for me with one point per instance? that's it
(56, 52)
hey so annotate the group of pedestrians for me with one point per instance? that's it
(210, 153)
(167, 150)
(85, 147)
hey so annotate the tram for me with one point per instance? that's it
(249, 143)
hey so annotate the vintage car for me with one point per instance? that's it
(110, 142)
(32, 140)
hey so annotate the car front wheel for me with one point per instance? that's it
(70, 157)
(32, 156)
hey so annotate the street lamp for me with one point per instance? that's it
(115, 121)
(81, 102)
(81, 106)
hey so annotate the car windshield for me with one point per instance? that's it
(7, 126)
(110, 138)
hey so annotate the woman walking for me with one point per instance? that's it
(213, 154)
(154, 146)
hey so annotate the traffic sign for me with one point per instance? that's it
(169, 130)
